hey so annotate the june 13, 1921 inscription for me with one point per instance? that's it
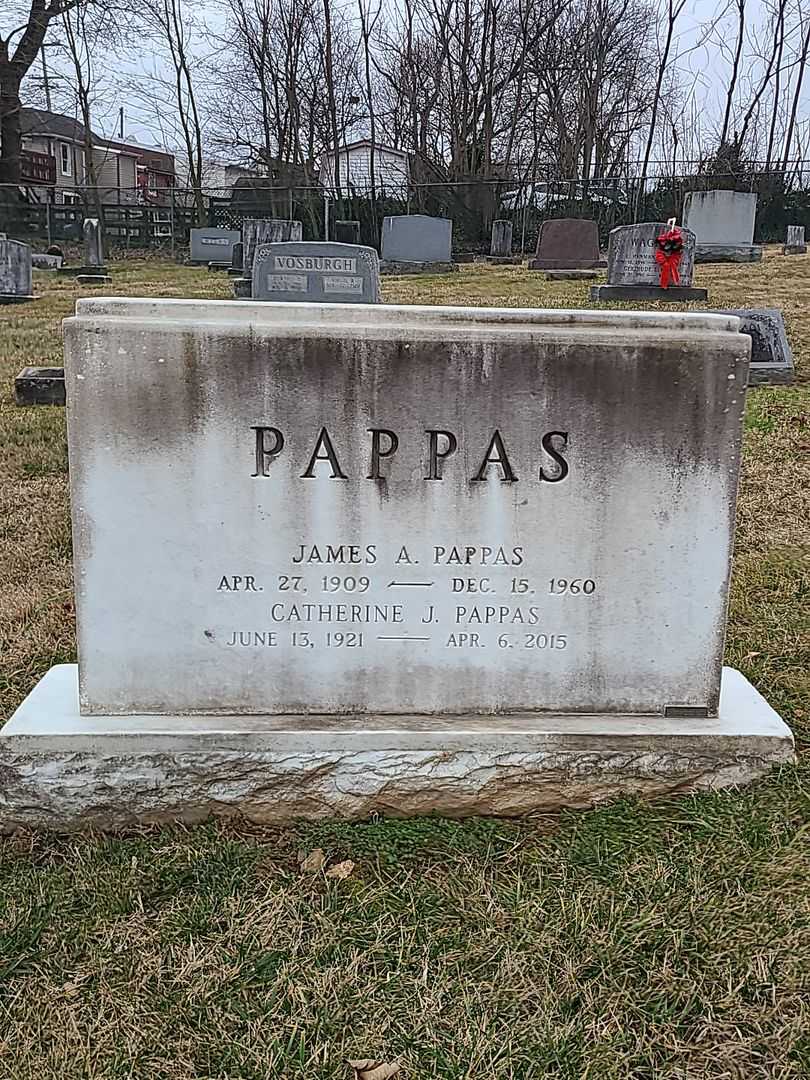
(400, 510)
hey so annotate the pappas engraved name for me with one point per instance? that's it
(438, 453)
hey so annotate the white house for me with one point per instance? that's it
(354, 169)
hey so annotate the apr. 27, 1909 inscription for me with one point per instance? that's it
(312, 509)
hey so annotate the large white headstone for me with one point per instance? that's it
(309, 508)
(417, 238)
(723, 223)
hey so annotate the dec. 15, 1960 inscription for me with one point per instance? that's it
(400, 509)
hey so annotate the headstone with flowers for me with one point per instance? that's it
(650, 261)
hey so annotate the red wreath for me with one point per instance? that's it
(669, 248)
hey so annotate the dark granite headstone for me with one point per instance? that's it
(634, 273)
(257, 231)
(40, 386)
(771, 356)
(325, 273)
(15, 272)
(347, 232)
(500, 246)
(567, 244)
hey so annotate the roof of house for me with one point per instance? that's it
(42, 122)
(367, 142)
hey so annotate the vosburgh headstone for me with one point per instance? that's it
(316, 272)
(341, 561)
(634, 273)
(723, 224)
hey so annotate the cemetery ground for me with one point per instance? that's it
(667, 940)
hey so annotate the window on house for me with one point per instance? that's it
(64, 158)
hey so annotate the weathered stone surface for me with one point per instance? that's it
(15, 272)
(674, 294)
(501, 240)
(64, 771)
(236, 259)
(438, 575)
(93, 279)
(212, 245)
(723, 224)
(794, 241)
(40, 386)
(328, 273)
(93, 244)
(631, 255)
(347, 232)
(567, 244)
(257, 231)
(771, 356)
(417, 238)
(41, 261)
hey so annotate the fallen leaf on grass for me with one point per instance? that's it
(340, 871)
(313, 862)
(370, 1069)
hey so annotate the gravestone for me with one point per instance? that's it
(415, 244)
(40, 386)
(500, 246)
(567, 244)
(771, 356)
(794, 241)
(405, 560)
(236, 268)
(723, 224)
(326, 273)
(41, 261)
(93, 245)
(347, 232)
(212, 245)
(15, 272)
(257, 231)
(633, 272)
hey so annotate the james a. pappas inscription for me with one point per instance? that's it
(400, 509)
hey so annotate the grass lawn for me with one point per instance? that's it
(654, 942)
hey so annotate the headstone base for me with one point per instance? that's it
(93, 279)
(15, 298)
(88, 271)
(389, 267)
(675, 294)
(236, 271)
(708, 253)
(570, 275)
(573, 264)
(65, 772)
(40, 386)
(219, 266)
(503, 260)
(794, 249)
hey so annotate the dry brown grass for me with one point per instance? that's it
(634, 942)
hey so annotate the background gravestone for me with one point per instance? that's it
(93, 245)
(794, 241)
(723, 224)
(500, 246)
(567, 244)
(15, 272)
(43, 261)
(347, 232)
(326, 273)
(414, 243)
(236, 268)
(771, 356)
(257, 231)
(212, 245)
(634, 274)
